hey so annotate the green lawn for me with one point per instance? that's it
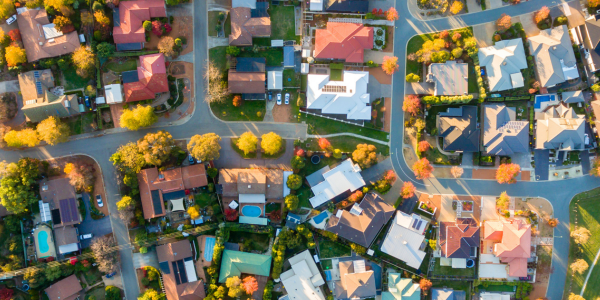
(473, 88)
(98, 293)
(326, 264)
(291, 79)
(329, 249)
(227, 25)
(274, 56)
(74, 81)
(74, 124)
(93, 276)
(284, 20)
(118, 67)
(335, 75)
(205, 199)
(247, 112)
(212, 22)
(240, 152)
(520, 107)
(436, 157)
(304, 80)
(263, 42)
(320, 125)
(259, 242)
(449, 271)
(217, 56)
(272, 207)
(345, 143)
(304, 193)
(584, 207)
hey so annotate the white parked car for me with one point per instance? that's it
(99, 200)
(85, 236)
(278, 99)
(287, 98)
(586, 139)
(11, 20)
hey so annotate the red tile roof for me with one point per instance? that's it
(244, 27)
(513, 245)
(346, 41)
(152, 75)
(132, 15)
(457, 238)
(246, 82)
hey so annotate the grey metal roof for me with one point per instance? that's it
(573, 97)
(317, 177)
(288, 56)
(551, 50)
(500, 61)
(502, 135)
(458, 127)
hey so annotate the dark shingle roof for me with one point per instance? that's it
(458, 127)
(250, 64)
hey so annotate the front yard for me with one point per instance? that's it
(248, 111)
(320, 125)
(217, 56)
(344, 143)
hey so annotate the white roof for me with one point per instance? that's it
(305, 53)
(100, 100)
(494, 296)
(177, 205)
(276, 43)
(82, 38)
(50, 31)
(348, 97)
(404, 244)
(346, 176)
(113, 93)
(316, 5)
(303, 279)
(412, 222)
(275, 80)
(190, 271)
(286, 189)
(569, 72)
(304, 68)
(243, 3)
(45, 211)
(233, 204)
(517, 80)
(254, 220)
(64, 249)
(252, 198)
(459, 263)
(493, 271)
(500, 61)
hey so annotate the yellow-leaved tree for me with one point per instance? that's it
(141, 116)
(85, 62)
(247, 142)
(53, 131)
(15, 55)
(205, 147)
(7, 8)
(271, 143)
(57, 4)
(26, 137)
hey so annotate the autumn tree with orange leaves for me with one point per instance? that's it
(408, 190)
(411, 105)
(390, 64)
(324, 144)
(423, 146)
(422, 169)
(541, 15)
(391, 14)
(507, 173)
(250, 285)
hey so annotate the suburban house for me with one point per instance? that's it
(459, 241)
(275, 80)
(346, 100)
(292, 220)
(363, 222)
(554, 57)
(335, 184)
(560, 128)
(128, 19)
(401, 288)
(343, 41)
(449, 78)
(39, 102)
(148, 80)
(157, 187)
(113, 94)
(251, 190)
(502, 134)
(66, 289)
(67, 239)
(356, 281)
(505, 242)
(589, 33)
(447, 294)
(303, 281)
(236, 263)
(405, 239)
(176, 263)
(40, 37)
(60, 196)
(249, 19)
(503, 63)
(572, 97)
(459, 128)
(248, 78)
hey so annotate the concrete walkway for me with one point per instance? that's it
(217, 41)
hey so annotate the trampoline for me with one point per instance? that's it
(209, 247)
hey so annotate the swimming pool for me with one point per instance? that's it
(43, 241)
(44, 246)
(209, 247)
(251, 211)
(539, 99)
(320, 217)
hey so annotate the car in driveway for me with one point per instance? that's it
(87, 101)
(278, 99)
(11, 20)
(99, 200)
(191, 159)
(86, 236)
(287, 98)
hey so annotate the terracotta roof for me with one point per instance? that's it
(261, 181)
(132, 15)
(152, 76)
(177, 179)
(30, 24)
(354, 285)
(244, 27)
(66, 289)
(246, 82)
(458, 238)
(169, 253)
(513, 245)
(346, 41)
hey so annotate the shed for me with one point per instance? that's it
(275, 80)
(276, 43)
(288, 57)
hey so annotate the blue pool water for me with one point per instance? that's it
(541, 99)
(251, 211)
(320, 217)
(209, 247)
(327, 275)
(42, 240)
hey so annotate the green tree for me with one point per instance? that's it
(90, 90)
(141, 116)
(294, 181)
(247, 142)
(147, 25)
(291, 202)
(105, 49)
(271, 143)
(413, 78)
(212, 172)
(112, 293)
(97, 6)
(232, 50)
(156, 147)
(205, 147)
(35, 277)
(457, 52)
(235, 289)
(337, 153)
(58, 4)
(151, 294)
(52, 273)
(128, 159)
(53, 131)
(365, 155)
(16, 188)
(125, 203)
(360, 250)
(297, 162)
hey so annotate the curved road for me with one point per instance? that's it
(202, 121)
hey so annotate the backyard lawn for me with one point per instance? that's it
(256, 241)
(329, 249)
(304, 193)
(217, 56)
(98, 293)
(473, 88)
(320, 125)
(246, 112)
(122, 65)
(335, 75)
(291, 79)
(274, 56)
(449, 271)
(344, 143)
(284, 20)
(73, 81)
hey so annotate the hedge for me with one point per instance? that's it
(433, 100)
(134, 53)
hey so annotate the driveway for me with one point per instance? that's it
(585, 162)
(146, 259)
(483, 33)
(541, 164)
(96, 227)
(572, 10)
(419, 88)
(491, 4)
(375, 172)
(378, 90)
(9, 86)
(230, 159)
(529, 25)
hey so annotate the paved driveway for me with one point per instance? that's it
(483, 33)
(375, 172)
(146, 259)
(585, 162)
(9, 86)
(541, 164)
(97, 227)
(230, 159)
(378, 90)
(572, 10)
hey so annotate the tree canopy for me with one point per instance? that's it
(84, 61)
(53, 131)
(365, 155)
(156, 147)
(16, 187)
(26, 137)
(205, 147)
(247, 142)
(138, 117)
(128, 158)
(291, 202)
(271, 143)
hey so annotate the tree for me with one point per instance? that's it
(84, 61)
(166, 46)
(391, 14)
(541, 15)
(53, 131)
(233, 283)
(82, 177)
(365, 155)
(413, 78)
(580, 235)
(297, 162)
(503, 201)
(456, 171)
(105, 49)
(595, 171)
(247, 142)
(231, 214)
(291, 202)
(250, 285)
(294, 181)
(324, 144)
(101, 18)
(126, 203)
(456, 7)
(151, 294)
(503, 23)
(579, 266)
(422, 169)
(575, 297)
(271, 143)
(138, 117)
(16, 187)
(61, 23)
(15, 35)
(112, 293)
(423, 146)
(457, 52)
(147, 25)
(360, 250)
(593, 3)
(156, 147)
(128, 158)
(456, 36)
(390, 64)
(26, 137)
(337, 153)
(15, 55)
(6, 293)
(425, 285)
(104, 252)
(507, 173)
(411, 105)
(216, 90)
(232, 50)
(35, 277)
(553, 222)
(408, 190)
(205, 147)
(194, 212)
(7, 8)
(237, 101)
(90, 90)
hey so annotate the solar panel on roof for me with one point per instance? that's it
(164, 267)
(68, 210)
(157, 204)
(177, 272)
(38, 87)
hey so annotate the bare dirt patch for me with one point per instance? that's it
(389, 46)
(181, 28)
(281, 113)
(542, 208)
(489, 174)
(387, 122)
(110, 77)
(116, 110)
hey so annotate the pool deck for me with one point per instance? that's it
(51, 250)
(201, 263)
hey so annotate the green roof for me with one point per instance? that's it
(234, 263)
(401, 288)
(55, 107)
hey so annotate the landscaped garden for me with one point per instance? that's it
(218, 57)
(330, 249)
(252, 110)
(250, 241)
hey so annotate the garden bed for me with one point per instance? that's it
(426, 209)
(248, 111)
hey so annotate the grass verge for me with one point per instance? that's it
(345, 143)
(248, 111)
(321, 126)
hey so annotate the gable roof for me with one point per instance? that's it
(244, 26)
(289, 56)
(502, 135)
(572, 97)
(501, 60)
(554, 56)
(60, 195)
(590, 35)
(338, 181)
(234, 263)
(458, 127)
(66, 289)
(250, 64)
(401, 288)
(348, 97)
(178, 271)
(513, 243)
(459, 237)
(152, 79)
(355, 285)
(346, 41)
(303, 280)
(560, 128)
(235, 182)
(275, 80)
(362, 228)
(403, 242)
(65, 235)
(132, 15)
(450, 78)
(246, 82)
